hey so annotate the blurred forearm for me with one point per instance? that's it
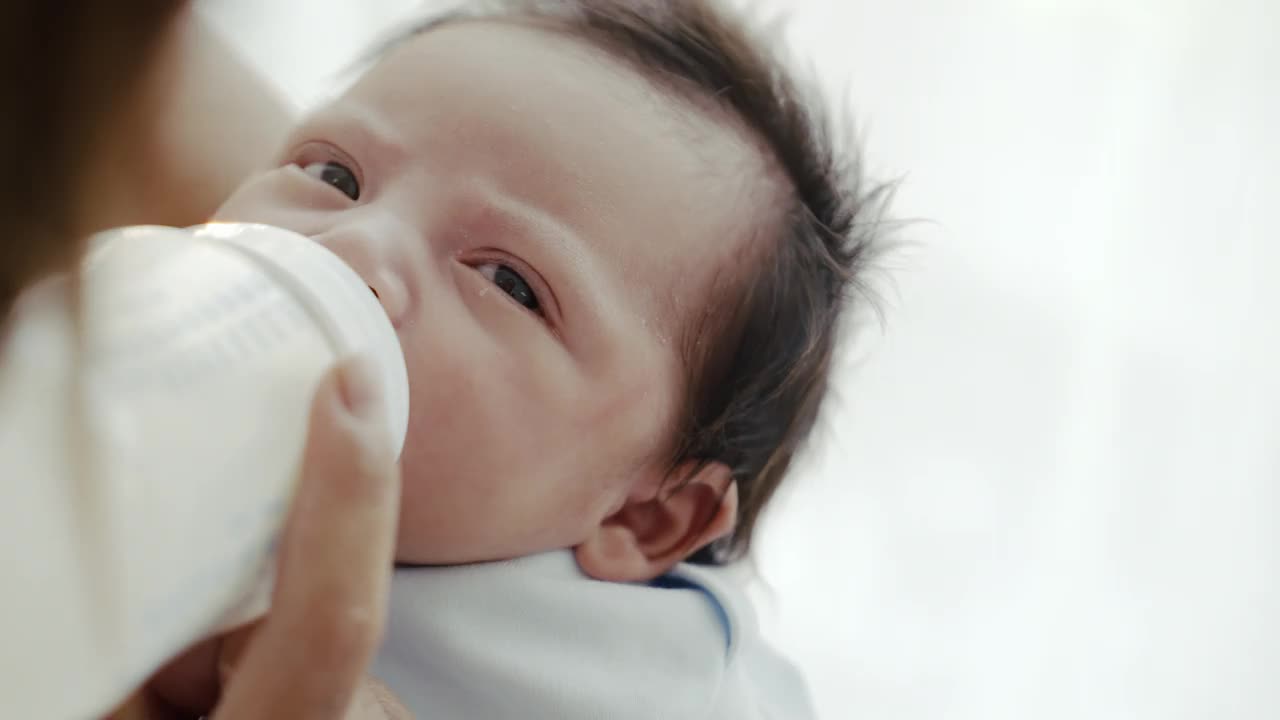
(224, 122)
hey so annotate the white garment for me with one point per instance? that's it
(534, 638)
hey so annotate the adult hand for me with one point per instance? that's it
(308, 657)
(371, 699)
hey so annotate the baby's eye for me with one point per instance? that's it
(337, 175)
(510, 282)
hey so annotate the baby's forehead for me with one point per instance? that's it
(669, 189)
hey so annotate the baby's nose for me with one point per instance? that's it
(392, 291)
(376, 264)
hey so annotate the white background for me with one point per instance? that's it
(1047, 486)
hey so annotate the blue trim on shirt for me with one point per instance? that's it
(676, 582)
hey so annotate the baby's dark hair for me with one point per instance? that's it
(759, 357)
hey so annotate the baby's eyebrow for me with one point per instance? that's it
(578, 292)
(533, 221)
(362, 131)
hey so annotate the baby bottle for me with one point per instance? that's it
(153, 415)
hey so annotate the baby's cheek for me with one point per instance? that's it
(413, 534)
(272, 199)
(463, 409)
(620, 438)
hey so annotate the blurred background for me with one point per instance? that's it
(1047, 485)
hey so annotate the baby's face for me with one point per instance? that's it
(538, 222)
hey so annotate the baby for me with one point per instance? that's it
(616, 246)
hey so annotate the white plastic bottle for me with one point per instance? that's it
(150, 445)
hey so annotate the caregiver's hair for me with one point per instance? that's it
(66, 71)
(759, 357)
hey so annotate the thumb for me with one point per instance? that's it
(309, 654)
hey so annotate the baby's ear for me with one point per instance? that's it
(648, 536)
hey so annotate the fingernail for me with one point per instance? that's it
(358, 378)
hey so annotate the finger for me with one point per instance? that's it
(335, 564)
(374, 701)
(386, 702)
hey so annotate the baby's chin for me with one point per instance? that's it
(416, 547)
(443, 556)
